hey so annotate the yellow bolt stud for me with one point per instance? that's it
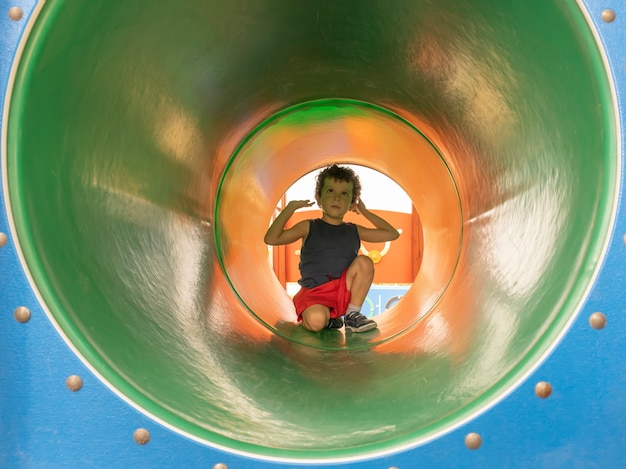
(375, 256)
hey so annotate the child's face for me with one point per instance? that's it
(336, 198)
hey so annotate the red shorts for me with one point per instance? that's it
(332, 294)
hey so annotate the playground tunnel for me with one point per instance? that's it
(147, 147)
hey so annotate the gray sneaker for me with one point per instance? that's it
(356, 322)
(335, 323)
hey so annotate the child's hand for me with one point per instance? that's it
(297, 204)
(359, 207)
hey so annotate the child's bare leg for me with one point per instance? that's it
(359, 279)
(315, 318)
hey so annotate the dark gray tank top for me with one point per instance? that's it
(327, 251)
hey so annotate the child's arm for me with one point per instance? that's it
(277, 234)
(383, 231)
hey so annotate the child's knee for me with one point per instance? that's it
(313, 324)
(364, 264)
(315, 319)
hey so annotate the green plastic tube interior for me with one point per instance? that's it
(149, 145)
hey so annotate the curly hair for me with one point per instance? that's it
(340, 173)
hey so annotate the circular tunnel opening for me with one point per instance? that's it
(300, 139)
(135, 152)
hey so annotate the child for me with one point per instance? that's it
(334, 279)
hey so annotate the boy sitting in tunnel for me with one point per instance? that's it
(334, 279)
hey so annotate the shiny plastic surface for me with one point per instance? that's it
(123, 135)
